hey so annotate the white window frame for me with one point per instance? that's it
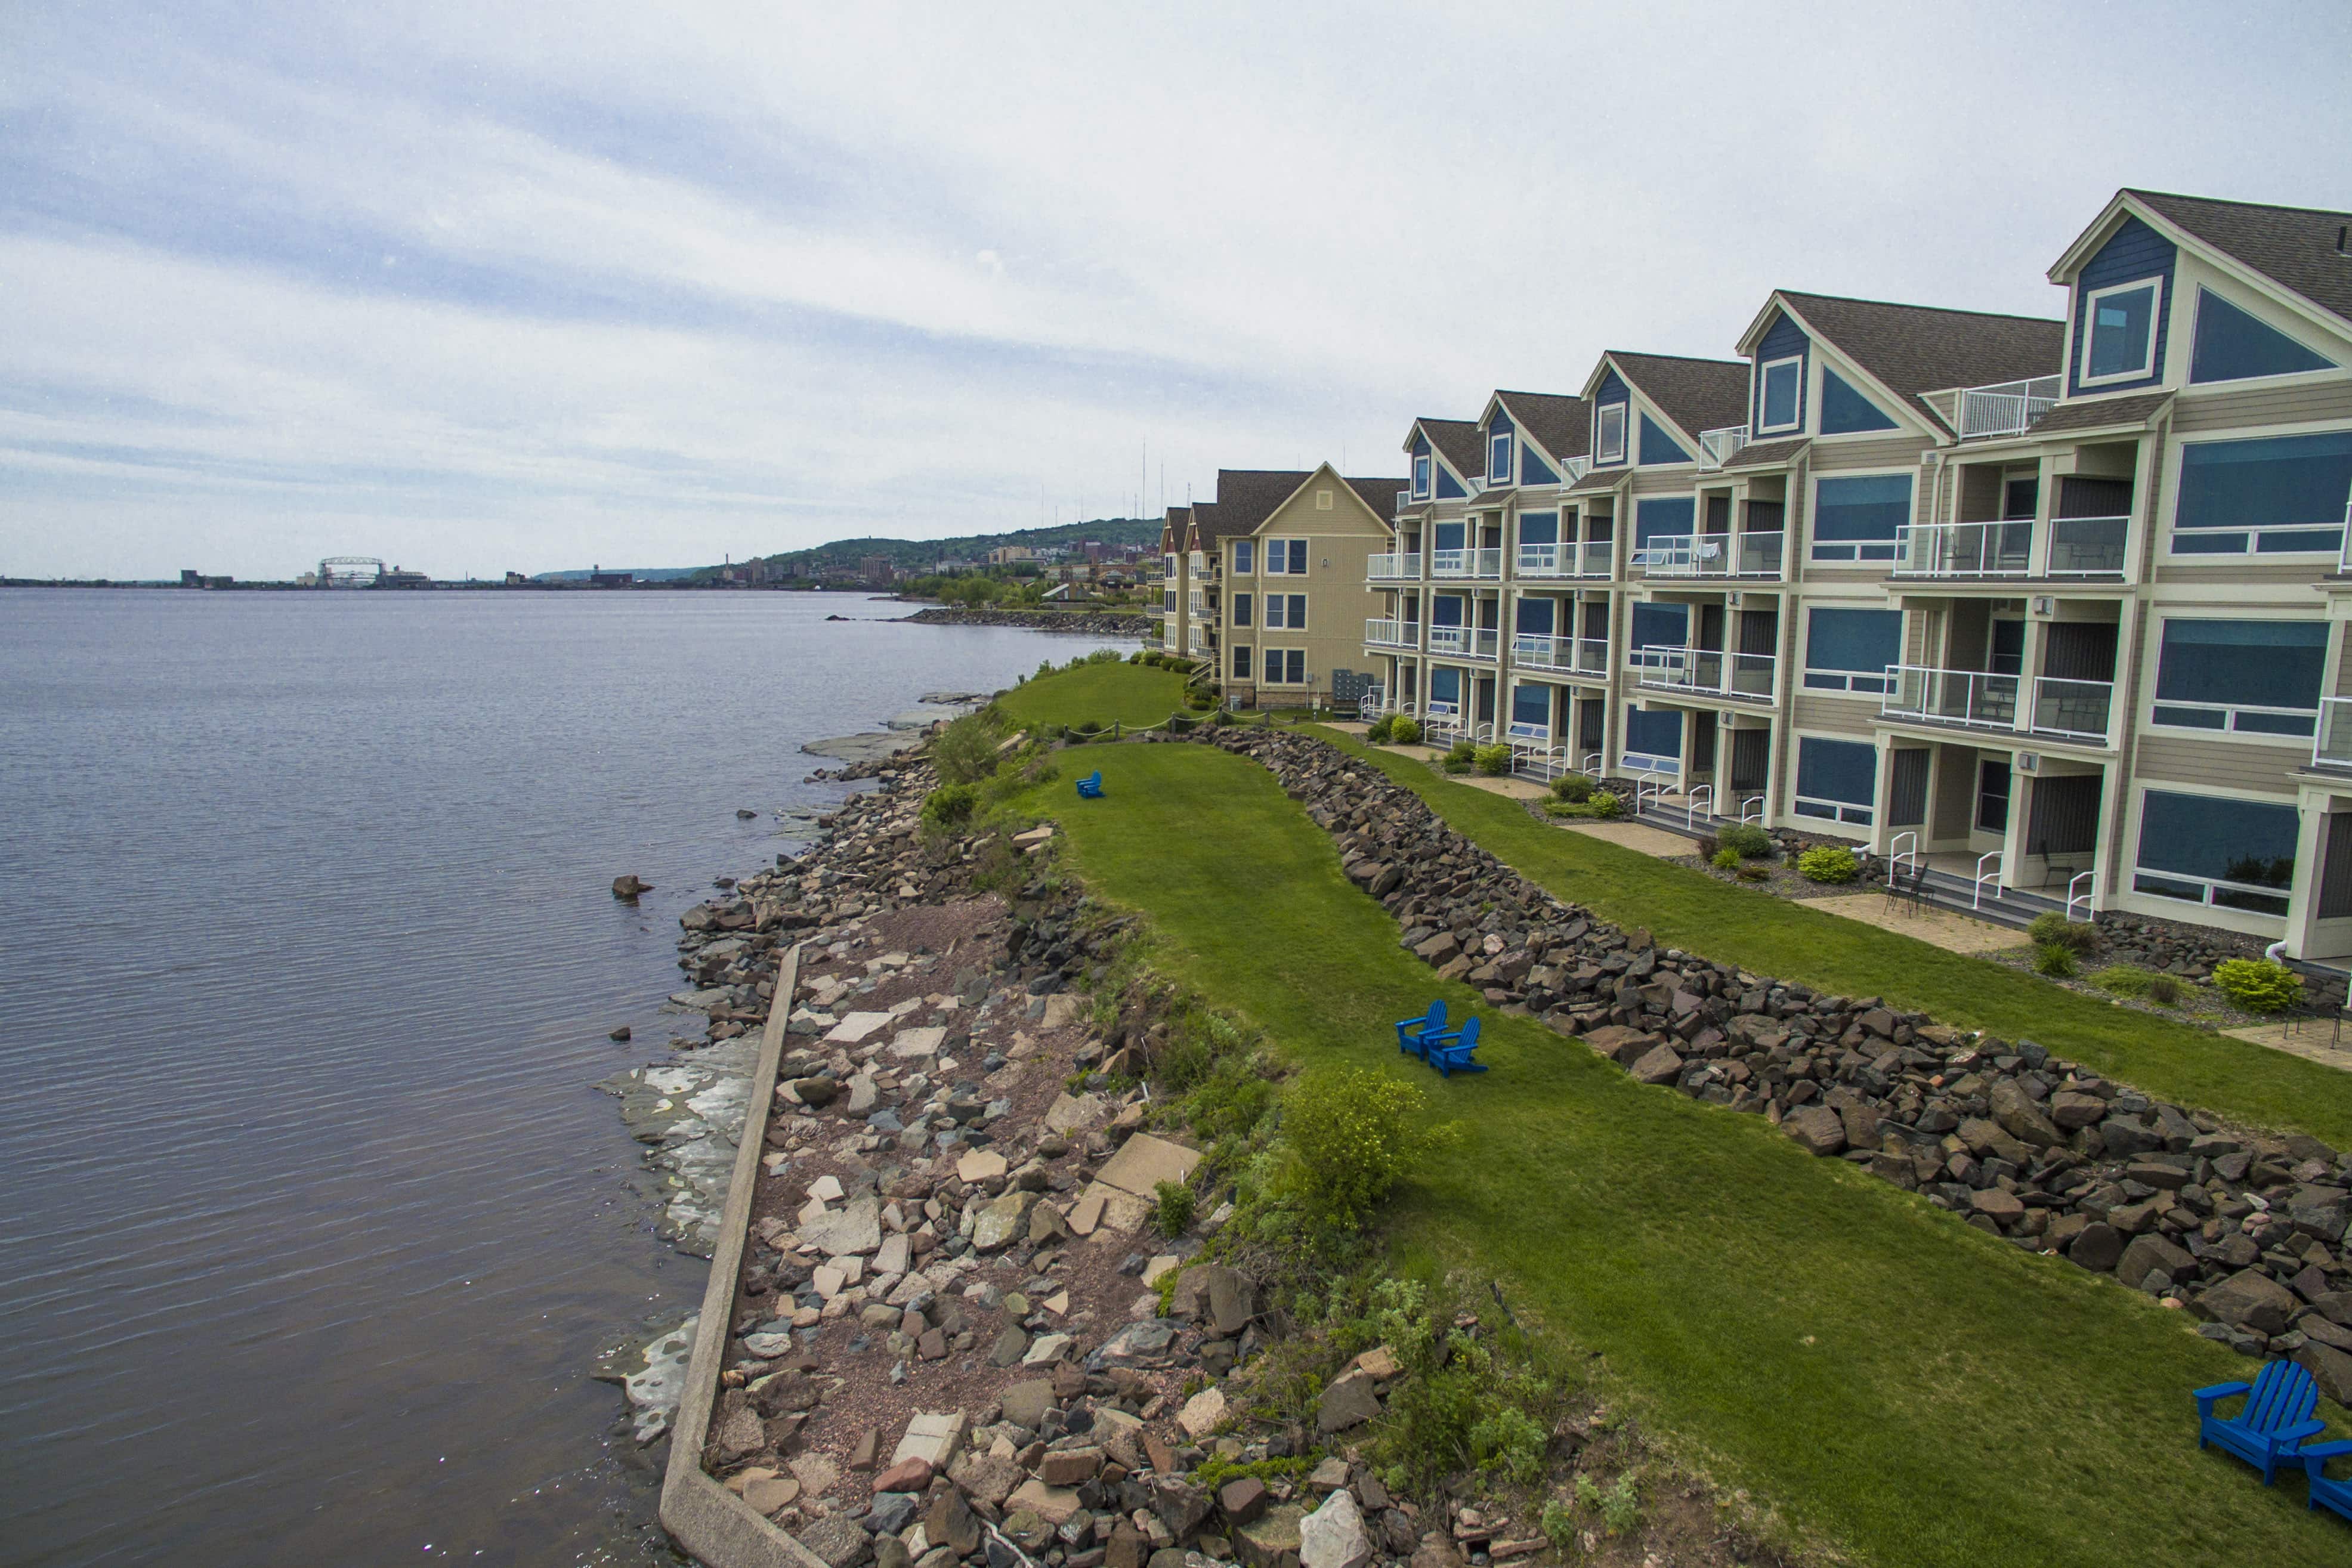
(1246, 656)
(1601, 447)
(1763, 393)
(2146, 367)
(1279, 603)
(1894, 547)
(1837, 817)
(2176, 459)
(1498, 473)
(1241, 547)
(1238, 607)
(2229, 730)
(1305, 675)
(1423, 475)
(2215, 913)
(1283, 546)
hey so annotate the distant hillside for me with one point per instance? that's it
(642, 573)
(923, 555)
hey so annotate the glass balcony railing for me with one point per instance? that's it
(1561, 655)
(1401, 566)
(1464, 642)
(2087, 547)
(1755, 554)
(1965, 549)
(2332, 747)
(1480, 564)
(2057, 708)
(1392, 633)
(1705, 672)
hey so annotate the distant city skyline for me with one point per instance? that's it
(525, 288)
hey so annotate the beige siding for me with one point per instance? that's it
(2217, 763)
(2298, 575)
(1894, 451)
(1836, 715)
(2203, 412)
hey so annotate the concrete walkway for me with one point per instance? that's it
(1938, 927)
(2310, 1040)
(1637, 836)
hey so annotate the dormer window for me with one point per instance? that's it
(2119, 331)
(1609, 433)
(1782, 380)
(1421, 477)
(1499, 456)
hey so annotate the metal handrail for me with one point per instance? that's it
(1486, 562)
(1691, 804)
(1643, 789)
(2005, 408)
(1996, 856)
(2079, 878)
(1591, 763)
(1757, 801)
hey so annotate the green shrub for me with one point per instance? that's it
(1174, 1210)
(1747, 840)
(1405, 732)
(1352, 1134)
(950, 805)
(1620, 1506)
(1751, 872)
(1558, 1523)
(1494, 761)
(2124, 980)
(2076, 936)
(1573, 788)
(2166, 990)
(1462, 758)
(2258, 985)
(1383, 726)
(1507, 1439)
(2054, 959)
(965, 752)
(1725, 858)
(1605, 806)
(1828, 862)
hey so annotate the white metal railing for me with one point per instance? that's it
(1398, 566)
(1754, 815)
(1441, 721)
(1754, 554)
(1371, 706)
(1546, 763)
(2332, 747)
(1592, 558)
(1592, 655)
(2075, 709)
(1970, 697)
(1965, 549)
(1718, 446)
(2007, 407)
(1547, 560)
(1593, 764)
(1702, 795)
(1542, 650)
(2087, 547)
(1897, 855)
(1575, 468)
(1984, 876)
(1645, 790)
(1464, 642)
(1707, 669)
(1485, 642)
(1392, 633)
(2081, 880)
(1471, 563)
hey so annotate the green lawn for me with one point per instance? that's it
(1106, 694)
(1911, 1387)
(1684, 908)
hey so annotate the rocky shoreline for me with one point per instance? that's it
(1096, 623)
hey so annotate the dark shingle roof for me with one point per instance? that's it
(1917, 349)
(1203, 519)
(2100, 413)
(1562, 425)
(1175, 529)
(1458, 440)
(2295, 246)
(1380, 494)
(1247, 496)
(1600, 479)
(1697, 394)
(1765, 454)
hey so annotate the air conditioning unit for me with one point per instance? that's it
(2029, 762)
(2046, 605)
(1931, 459)
(1732, 598)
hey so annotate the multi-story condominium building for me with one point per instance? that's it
(1175, 581)
(2057, 607)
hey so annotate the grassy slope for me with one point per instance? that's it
(1109, 694)
(1684, 908)
(1910, 1385)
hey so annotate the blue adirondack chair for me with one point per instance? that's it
(1090, 787)
(2275, 1417)
(1451, 1053)
(2325, 1493)
(1412, 1032)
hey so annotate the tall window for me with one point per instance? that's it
(1783, 378)
(1609, 433)
(1241, 664)
(2251, 677)
(1285, 557)
(1285, 666)
(1837, 781)
(1856, 516)
(2270, 495)
(1421, 477)
(1992, 796)
(1849, 650)
(1241, 609)
(1245, 557)
(2230, 853)
(1499, 456)
(2119, 335)
(1286, 613)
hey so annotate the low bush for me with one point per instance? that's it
(1494, 761)
(1725, 858)
(2075, 936)
(1747, 841)
(2166, 990)
(1381, 728)
(2124, 980)
(1172, 1211)
(1751, 872)
(1405, 732)
(2054, 959)
(1573, 788)
(1605, 806)
(2258, 985)
(1828, 863)
(1353, 1134)
(950, 805)
(965, 751)
(1462, 758)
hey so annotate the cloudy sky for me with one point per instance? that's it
(478, 286)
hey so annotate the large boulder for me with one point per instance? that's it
(1333, 1536)
(2150, 1254)
(1348, 1401)
(2021, 1118)
(2248, 1299)
(1817, 1129)
(2098, 1249)
(2329, 1367)
(1002, 1220)
(1660, 1064)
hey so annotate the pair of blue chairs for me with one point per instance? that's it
(2270, 1427)
(1090, 787)
(1448, 1051)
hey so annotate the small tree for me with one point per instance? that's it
(1353, 1134)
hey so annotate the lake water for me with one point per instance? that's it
(314, 1225)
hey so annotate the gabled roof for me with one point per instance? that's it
(2294, 248)
(1562, 426)
(1699, 395)
(1910, 349)
(1382, 495)
(1768, 454)
(1176, 528)
(1247, 496)
(1204, 515)
(2101, 413)
(1457, 441)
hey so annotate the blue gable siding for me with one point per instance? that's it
(1533, 469)
(1449, 488)
(2134, 252)
(1785, 338)
(1844, 410)
(1658, 447)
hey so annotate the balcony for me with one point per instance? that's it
(2059, 709)
(1750, 555)
(1566, 560)
(1403, 566)
(1463, 642)
(1561, 655)
(2332, 748)
(2087, 547)
(1705, 672)
(1719, 446)
(1965, 549)
(1483, 565)
(1393, 634)
(2005, 408)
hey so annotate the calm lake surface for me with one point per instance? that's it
(314, 1224)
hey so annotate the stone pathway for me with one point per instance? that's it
(1938, 927)
(1638, 836)
(2312, 1039)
